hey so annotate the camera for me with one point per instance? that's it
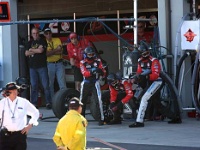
(4, 132)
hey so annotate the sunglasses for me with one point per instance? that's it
(90, 55)
(48, 33)
(114, 83)
(35, 33)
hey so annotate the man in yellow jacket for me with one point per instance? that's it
(70, 132)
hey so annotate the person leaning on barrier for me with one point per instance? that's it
(75, 51)
(146, 61)
(36, 54)
(13, 119)
(70, 132)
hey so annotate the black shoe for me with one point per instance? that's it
(136, 124)
(101, 122)
(175, 121)
(48, 106)
(41, 116)
(115, 121)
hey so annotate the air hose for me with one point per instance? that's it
(178, 68)
(195, 83)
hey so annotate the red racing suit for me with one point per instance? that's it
(76, 51)
(86, 65)
(149, 63)
(90, 83)
(124, 85)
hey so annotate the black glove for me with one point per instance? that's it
(93, 71)
(136, 77)
(99, 71)
(118, 107)
(112, 104)
(143, 78)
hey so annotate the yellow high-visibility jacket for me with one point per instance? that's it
(71, 131)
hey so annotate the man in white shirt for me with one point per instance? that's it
(13, 119)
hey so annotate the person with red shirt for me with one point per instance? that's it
(91, 68)
(75, 51)
(152, 83)
(116, 85)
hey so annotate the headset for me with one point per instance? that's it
(4, 92)
(7, 93)
(69, 40)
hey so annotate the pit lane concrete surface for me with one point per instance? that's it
(155, 134)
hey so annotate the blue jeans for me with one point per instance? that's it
(36, 75)
(56, 70)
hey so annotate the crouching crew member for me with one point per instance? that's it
(117, 85)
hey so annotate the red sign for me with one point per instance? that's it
(190, 35)
(4, 12)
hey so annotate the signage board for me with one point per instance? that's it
(4, 12)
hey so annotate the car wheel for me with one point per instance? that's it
(61, 99)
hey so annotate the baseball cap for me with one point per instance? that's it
(47, 30)
(12, 86)
(73, 35)
(75, 102)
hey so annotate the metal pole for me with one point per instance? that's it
(28, 18)
(74, 22)
(118, 41)
(194, 9)
(135, 23)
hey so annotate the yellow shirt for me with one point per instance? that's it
(53, 45)
(71, 131)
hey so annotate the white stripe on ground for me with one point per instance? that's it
(108, 144)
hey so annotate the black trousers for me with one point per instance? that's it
(13, 141)
(86, 90)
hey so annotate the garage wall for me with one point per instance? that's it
(60, 8)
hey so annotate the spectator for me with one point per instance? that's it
(13, 119)
(92, 69)
(75, 51)
(142, 35)
(149, 80)
(71, 129)
(54, 61)
(116, 85)
(36, 52)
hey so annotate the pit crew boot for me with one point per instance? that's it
(101, 122)
(136, 124)
(114, 121)
(175, 121)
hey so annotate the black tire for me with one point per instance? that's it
(169, 94)
(61, 99)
